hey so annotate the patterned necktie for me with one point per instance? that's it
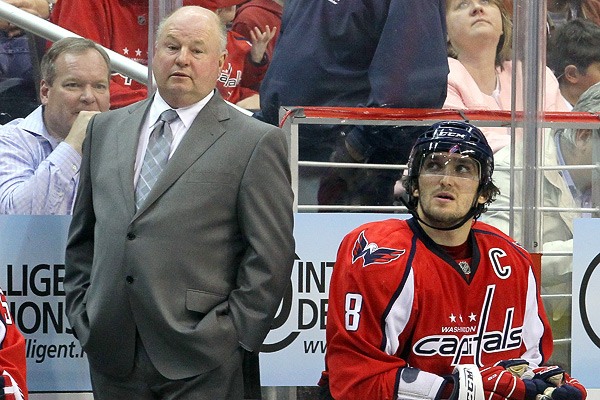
(156, 157)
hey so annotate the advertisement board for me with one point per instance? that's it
(585, 345)
(32, 274)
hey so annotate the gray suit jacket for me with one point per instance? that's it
(202, 266)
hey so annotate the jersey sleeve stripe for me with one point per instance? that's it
(396, 316)
(533, 329)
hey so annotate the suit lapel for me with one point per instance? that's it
(128, 133)
(204, 131)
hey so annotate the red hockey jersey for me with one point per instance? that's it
(239, 76)
(13, 368)
(397, 299)
(121, 26)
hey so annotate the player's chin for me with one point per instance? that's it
(443, 219)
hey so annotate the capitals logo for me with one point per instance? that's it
(371, 253)
(482, 340)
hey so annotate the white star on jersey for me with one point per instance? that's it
(138, 52)
(452, 318)
(472, 317)
(125, 51)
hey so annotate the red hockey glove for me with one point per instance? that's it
(561, 385)
(503, 381)
(500, 384)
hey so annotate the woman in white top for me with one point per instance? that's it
(479, 46)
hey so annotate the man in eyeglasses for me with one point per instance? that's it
(439, 306)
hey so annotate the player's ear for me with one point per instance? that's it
(482, 199)
(415, 192)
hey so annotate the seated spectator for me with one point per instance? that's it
(259, 13)
(18, 94)
(119, 25)
(565, 189)
(574, 56)
(356, 54)
(13, 366)
(479, 46)
(40, 155)
(246, 62)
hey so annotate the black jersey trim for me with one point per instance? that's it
(438, 251)
(519, 249)
(397, 384)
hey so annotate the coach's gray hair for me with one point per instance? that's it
(71, 45)
(222, 31)
(589, 101)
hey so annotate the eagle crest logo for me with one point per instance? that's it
(373, 254)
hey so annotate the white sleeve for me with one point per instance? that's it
(415, 384)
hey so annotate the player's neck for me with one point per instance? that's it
(455, 237)
(460, 252)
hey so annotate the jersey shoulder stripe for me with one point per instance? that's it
(485, 229)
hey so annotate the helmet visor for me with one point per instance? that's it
(447, 164)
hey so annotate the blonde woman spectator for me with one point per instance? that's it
(479, 49)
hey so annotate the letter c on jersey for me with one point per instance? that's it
(503, 272)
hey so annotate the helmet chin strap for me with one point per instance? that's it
(467, 217)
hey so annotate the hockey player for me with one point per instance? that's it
(12, 357)
(439, 306)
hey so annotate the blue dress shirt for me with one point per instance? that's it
(38, 173)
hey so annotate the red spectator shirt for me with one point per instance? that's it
(258, 13)
(240, 77)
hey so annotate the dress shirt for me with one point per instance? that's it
(38, 173)
(179, 126)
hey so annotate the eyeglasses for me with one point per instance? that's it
(455, 165)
